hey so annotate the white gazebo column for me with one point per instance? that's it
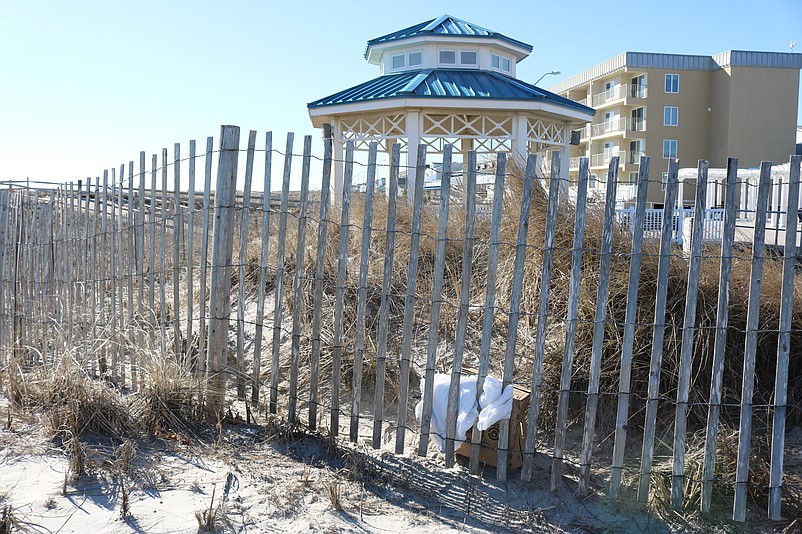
(466, 145)
(338, 156)
(520, 135)
(565, 158)
(389, 150)
(413, 140)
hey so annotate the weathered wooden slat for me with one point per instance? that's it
(222, 255)
(263, 259)
(152, 267)
(490, 298)
(113, 330)
(362, 293)
(103, 258)
(515, 307)
(162, 257)
(95, 282)
(4, 216)
(204, 255)
(750, 349)
(279, 285)
(130, 260)
(630, 322)
(658, 333)
(190, 259)
(242, 267)
(177, 345)
(339, 302)
(464, 303)
(437, 295)
(719, 347)
(320, 266)
(409, 300)
(70, 266)
(599, 322)
(387, 278)
(140, 261)
(300, 256)
(542, 313)
(572, 314)
(688, 332)
(784, 341)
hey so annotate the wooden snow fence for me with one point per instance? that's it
(330, 311)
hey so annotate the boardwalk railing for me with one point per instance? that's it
(331, 311)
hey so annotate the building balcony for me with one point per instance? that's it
(624, 92)
(611, 127)
(625, 157)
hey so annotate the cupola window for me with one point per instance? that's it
(448, 57)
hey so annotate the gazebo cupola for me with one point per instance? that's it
(448, 81)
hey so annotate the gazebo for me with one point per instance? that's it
(448, 81)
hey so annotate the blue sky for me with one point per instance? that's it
(84, 86)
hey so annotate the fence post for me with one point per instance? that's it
(750, 348)
(784, 341)
(688, 332)
(490, 299)
(592, 403)
(542, 315)
(222, 252)
(515, 307)
(722, 317)
(658, 333)
(437, 291)
(630, 322)
(572, 314)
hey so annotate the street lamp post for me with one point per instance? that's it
(552, 73)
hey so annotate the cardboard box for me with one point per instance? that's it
(488, 452)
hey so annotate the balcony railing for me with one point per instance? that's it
(637, 91)
(637, 124)
(633, 156)
(603, 158)
(619, 92)
(615, 125)
(597, 160)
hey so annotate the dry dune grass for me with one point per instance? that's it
(704, 337)
(706, 310)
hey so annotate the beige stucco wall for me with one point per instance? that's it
(743, 112)
(762, 114)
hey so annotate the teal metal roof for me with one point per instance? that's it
(446, 83)
(445, 26)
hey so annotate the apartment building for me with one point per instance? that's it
(737, 103)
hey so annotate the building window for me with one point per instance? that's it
(633, 177)
(415, 58)
(399, 61)
(669, 148)
(670, 116)
(672, 83)
(664, 181)
(495, 61)
(594, 181)
(505, 64)
(467, 58)
(448, 57)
